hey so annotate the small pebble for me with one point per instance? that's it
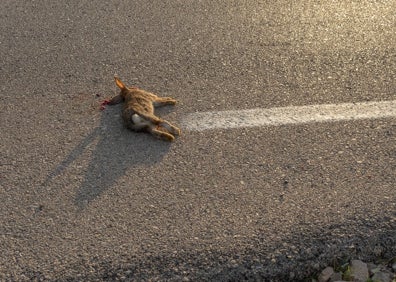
(326, 274)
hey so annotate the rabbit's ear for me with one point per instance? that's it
(119, 83)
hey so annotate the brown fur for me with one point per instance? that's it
(138, 111)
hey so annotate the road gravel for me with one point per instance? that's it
(84, 199)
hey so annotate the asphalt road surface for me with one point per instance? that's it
(84, 199)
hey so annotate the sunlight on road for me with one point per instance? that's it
(335, 24)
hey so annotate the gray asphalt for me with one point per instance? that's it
(84, 199)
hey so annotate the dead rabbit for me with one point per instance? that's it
(138, 111)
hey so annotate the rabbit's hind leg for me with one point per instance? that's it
(161, 133)
(170, 127)
(158, 123)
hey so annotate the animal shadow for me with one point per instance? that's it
(117, 149)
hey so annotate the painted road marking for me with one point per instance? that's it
(289, 115)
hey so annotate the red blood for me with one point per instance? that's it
(103, 104)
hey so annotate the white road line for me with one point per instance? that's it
(289, 115)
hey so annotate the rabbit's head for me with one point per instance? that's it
(124, 93)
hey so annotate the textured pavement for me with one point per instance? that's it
(83, 198)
